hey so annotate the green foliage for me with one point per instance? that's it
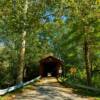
(64, 38)
(6, 65)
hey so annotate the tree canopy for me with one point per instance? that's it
(30, 29)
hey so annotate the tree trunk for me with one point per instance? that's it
(22, 49)
(21, 59)
(87, 60)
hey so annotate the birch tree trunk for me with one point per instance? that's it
(22, 49)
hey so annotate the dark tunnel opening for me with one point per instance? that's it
(50, 67)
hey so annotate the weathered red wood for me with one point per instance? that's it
(58, 63)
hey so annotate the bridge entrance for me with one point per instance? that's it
(50, 66)
(50, 69)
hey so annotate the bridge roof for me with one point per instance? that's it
(52, 59)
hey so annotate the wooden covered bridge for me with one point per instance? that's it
(50, 65)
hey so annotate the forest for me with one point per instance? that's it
(68, 29)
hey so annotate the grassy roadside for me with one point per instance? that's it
(11, 95)
(92, 95)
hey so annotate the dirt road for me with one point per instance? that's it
(48, 89)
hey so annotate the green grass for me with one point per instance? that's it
(97, 98)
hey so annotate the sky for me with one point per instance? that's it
(51, 17)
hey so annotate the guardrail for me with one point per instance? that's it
(80, 86)
(12, 88)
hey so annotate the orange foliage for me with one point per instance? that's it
(73, 70)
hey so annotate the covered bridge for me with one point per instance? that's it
(50, 65)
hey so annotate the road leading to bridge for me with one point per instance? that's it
(48, 89)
